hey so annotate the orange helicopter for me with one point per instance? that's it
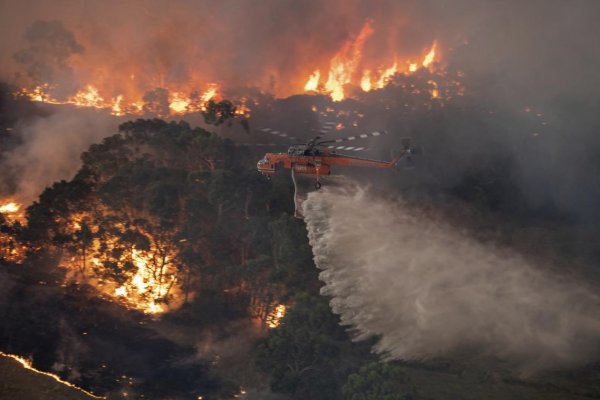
(317, 157)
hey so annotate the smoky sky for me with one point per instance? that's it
(538, 48)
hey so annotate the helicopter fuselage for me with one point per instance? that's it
(313, 161)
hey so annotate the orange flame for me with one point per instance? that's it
(274, 318)
(10, 208)
(435, 92)
(90, 96)
(149, 279)
(179, 103)
(144, 282)
(386, 75)
(10, 249)
(365, 81)
(345, 62)
(28, 365)
(344, 68)
(313, 81)
(430, 57)
(125, 94)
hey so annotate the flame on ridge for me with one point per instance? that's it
(135, 92)
(179, 102)
(344, 68)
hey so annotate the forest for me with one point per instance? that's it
(168, 268)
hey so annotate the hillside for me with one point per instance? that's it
(19, 382)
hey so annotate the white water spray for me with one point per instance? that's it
(429, 290)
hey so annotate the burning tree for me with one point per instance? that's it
(152, 220)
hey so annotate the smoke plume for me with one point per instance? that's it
(538, 47)
(49, 47)
(430, 290)
(51, 147)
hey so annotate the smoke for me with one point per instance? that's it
(538, 47)
(430, 290)
(514, 52)
(49, 48)
(50, 148)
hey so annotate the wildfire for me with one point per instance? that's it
(88, 97)
(209, 93)
(365, 82)
(344, 68)
(28, 365)
(386, 75)
(313, 81)
(11, 249)
(435, 92)
(10, 208)
(274, 318)
(179, 101)
(430, 57)
(146, 279)
(145, 282)
(136, 93)
(345, 63)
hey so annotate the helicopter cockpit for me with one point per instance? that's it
(303, 150)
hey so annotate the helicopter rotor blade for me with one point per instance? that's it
(348, 148)
(327, 127)
(275, 132)
(357, 137)
(259, 144)
(405, 141)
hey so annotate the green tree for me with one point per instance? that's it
(304, 354)
(379, 381)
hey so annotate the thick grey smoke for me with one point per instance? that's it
(430, 290)
(49, 48)
(51, 148)
(538, 47)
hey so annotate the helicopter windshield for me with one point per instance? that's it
(303, 150)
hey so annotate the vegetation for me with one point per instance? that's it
(175, 219)
(167, 237)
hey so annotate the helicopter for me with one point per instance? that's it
(316, 157)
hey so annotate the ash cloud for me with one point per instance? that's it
(429, 290)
